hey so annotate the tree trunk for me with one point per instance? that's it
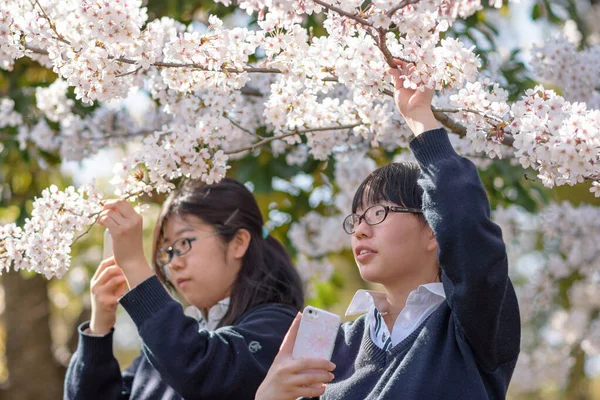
(34, 373)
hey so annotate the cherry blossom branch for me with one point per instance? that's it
(97, 216)
(380, 41)
(460, 130)
(237, 125)
(397, 7)
(160, 64)
(156, 64)
(135, 71)
(344, 13)
(284, 135)
(468, 110)
(52, 25)
(380, 37)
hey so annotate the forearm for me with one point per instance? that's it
(202, 364)
(93, 371)
(138, 273)
(422, 121)
(471, 251)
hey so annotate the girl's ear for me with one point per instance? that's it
(432, 243)
(239, 245)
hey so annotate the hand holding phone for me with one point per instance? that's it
(316, 334)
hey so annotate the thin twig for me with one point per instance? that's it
(461, 131)
(284, 135)
(397, 7)
(97, 215)
(129, 73)
(52, 25)
(344, 13)
(467, 110)
(237, 125)
(248, 91)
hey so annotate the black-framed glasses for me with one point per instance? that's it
(179, 247)
(374, 215)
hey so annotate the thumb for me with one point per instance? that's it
(397, 78)
(287, 346)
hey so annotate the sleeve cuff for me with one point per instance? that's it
(144, 300)
(431, 146)
(95, 349)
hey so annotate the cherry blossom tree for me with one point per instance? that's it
(305, 81)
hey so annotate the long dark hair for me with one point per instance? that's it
(267, 274)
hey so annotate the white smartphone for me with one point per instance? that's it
(107, 251)
(316, 334)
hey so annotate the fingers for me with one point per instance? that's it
(310, 391)
(111, 219)
(103, 265)
(287, 346)
(111, 273)
(311, 378)
(121, 218)
(312, 364)
(399, 74)
(123, 207)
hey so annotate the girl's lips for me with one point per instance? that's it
(365, 257)
(182, 282)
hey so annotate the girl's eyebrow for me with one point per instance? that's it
(178, 233)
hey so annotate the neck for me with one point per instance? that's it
(396, 296)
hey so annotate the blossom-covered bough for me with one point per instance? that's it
(223, 93)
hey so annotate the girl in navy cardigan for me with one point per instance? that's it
(210, 247)
(447, 325)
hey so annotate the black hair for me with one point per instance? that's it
(267, 274)
(394, 182)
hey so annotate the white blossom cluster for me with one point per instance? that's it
(560, 299)
(316, 236)
(10, 46)
(318, 95)
(43, 244)
(79, 136)
(557, 138)
(576, 72)
(8, 115)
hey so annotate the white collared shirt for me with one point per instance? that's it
(420, 304)
(215, 314)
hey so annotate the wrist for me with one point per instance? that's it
(137, 273)
(96, 330)
(422, 121)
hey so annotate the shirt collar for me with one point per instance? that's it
(215, 314)
(363, 300)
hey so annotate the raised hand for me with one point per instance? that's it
(107, 286)
(289, 379)
(413, 104)
(126, 229)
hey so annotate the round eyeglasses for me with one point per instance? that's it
(179, 247)
(374, 215)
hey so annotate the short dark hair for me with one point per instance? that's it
(394, 182)
(267, 274)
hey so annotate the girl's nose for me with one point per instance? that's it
(362, 230)
(177, 262)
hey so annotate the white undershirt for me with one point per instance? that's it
(420, 304)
